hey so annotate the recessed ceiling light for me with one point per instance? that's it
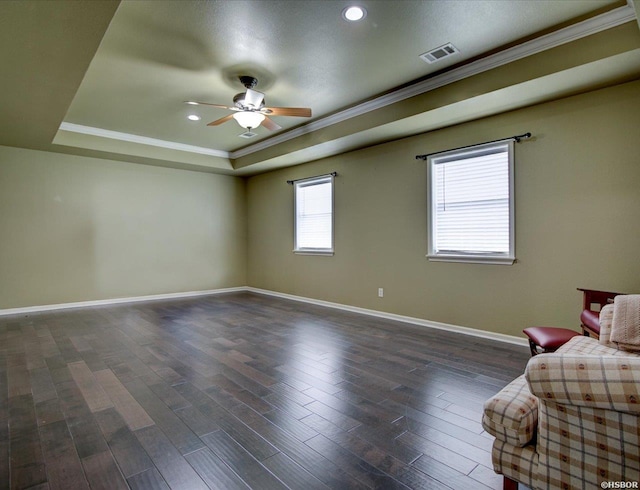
(354, 14)
(190, 102)
(193, 117)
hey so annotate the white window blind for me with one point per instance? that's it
(471, 212)
(314, 215)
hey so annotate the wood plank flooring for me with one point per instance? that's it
(241, 391)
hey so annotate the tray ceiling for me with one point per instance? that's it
(356, 77)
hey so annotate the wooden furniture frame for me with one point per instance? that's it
(592, 297)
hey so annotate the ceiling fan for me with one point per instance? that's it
(250, 111)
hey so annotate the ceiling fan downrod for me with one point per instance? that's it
(248, 82)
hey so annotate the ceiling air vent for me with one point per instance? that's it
(439, 53)
(248, 134)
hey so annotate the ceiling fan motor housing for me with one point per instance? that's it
(239, 102)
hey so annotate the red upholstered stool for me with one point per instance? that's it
(547, 338)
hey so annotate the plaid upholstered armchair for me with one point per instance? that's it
(572, 420)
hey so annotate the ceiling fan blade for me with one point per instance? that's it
(270, 124)
(288, 111)
(253, 98)
(192, 102)
(224, 119)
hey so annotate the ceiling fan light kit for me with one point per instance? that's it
(249, 119)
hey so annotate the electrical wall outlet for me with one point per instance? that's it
(380, 293)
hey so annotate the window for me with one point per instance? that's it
(313, 227)
(471, 216)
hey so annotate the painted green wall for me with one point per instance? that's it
(577, 221)
(76, 228)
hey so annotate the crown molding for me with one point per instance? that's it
(143, 140)
(586, 28)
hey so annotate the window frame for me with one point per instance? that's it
(500, 258)
(321, 179)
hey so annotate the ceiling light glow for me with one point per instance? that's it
(193, 117)
(190, 102)
(354, 14)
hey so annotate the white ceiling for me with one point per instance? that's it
(156, 54)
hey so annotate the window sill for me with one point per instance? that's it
(314, 252)
(472, 259)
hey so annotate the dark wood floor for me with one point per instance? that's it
(243, 391)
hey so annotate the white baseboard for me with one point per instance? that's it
(115, 301)
(400, 318)
(354, 309)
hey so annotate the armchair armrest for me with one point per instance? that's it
(606, 320)
(607, 382)
(511, 415)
